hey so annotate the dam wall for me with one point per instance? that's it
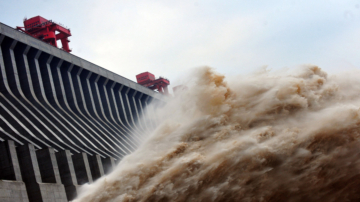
(64, 121)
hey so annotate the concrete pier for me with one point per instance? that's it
(82, 168)
(96, 167)
(12, 188)
(10, 169)
(67, 173)
(38, 190)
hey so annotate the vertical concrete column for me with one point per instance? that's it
(36, 189)
(30, 171)
(108, 164)
(67, 173)
(48, 166)
(9, 167)
(82, 168)
(96, 166)
(11, 186)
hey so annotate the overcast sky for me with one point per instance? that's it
(235, 37)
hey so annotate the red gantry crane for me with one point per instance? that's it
(147, 79)
(47, 31)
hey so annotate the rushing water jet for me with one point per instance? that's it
(265, 137)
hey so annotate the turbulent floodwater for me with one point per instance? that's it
(264, 137)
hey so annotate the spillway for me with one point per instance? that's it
(63, 120)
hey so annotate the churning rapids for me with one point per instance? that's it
(265, 137)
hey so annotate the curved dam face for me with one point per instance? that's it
(63, 120)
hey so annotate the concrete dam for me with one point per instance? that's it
(64, 121)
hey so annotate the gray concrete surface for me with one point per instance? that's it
(36, 189)
(82, 168)
(67, 173)
(12, 189)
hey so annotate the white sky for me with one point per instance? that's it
(167, 38)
